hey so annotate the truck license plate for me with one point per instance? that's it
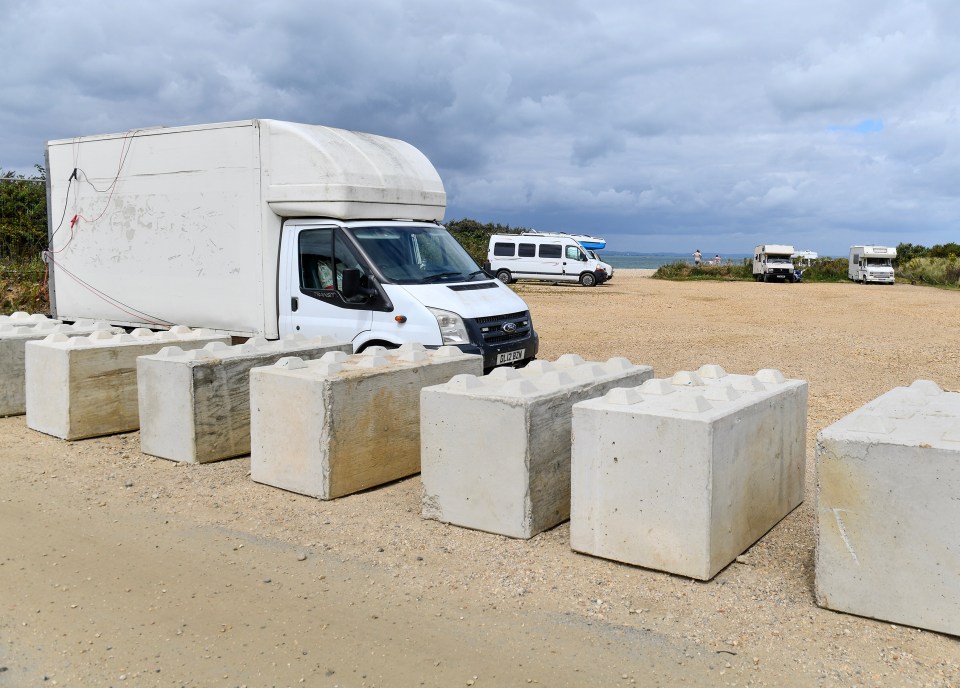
(510, 356)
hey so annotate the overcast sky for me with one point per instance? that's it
(662, 126)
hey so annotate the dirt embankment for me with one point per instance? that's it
(120, 569)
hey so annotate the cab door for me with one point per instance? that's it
(311, 302)
(574, 261)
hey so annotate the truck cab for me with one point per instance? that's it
(387, 282)
(773, 263)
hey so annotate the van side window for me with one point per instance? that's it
(527, 250)
(550, 251)
(574, 253)
(316, 259)
(502, 248)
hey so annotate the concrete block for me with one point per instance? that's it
(80, 387)
(195, 404)
(24, 319)
(888, 505)
(13, 341)
(496, 449)
(683, 475)
(344, 423)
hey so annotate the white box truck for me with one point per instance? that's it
(544, 256)
(262, 227)
(871, 264)
(773, 262)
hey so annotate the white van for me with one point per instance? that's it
(871, 264)
(545, 256)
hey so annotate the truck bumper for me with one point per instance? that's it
(507, 355)
(502, 340)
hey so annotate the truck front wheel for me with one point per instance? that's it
(588, 279)
(504, 276)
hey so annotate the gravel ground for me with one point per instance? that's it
(474, 608)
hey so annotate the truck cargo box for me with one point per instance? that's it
(182, 225)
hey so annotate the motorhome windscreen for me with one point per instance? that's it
(416, 255)
(778, 259)
(879, 261)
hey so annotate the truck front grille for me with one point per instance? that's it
(492, 327)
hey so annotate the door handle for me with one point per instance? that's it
(294, 303)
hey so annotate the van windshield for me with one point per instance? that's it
(417, 255)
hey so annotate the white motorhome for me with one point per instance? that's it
(269, 228)
(871, 264)
(773, 262)
(544, 256)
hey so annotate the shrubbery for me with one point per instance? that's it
(728, 272)
(938, 271)
(826, 270)
(23, 235)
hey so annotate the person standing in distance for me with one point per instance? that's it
(697, 257)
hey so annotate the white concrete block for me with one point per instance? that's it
(13, 341)
(195, 404)
(87, 386)
(496, 449)
(683, 475)
(24, 319)
(888, 509)
(341, 424)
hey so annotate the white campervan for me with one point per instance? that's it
(772, 262)
(871, 264)
(545, 256)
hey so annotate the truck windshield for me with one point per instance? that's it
(878, 261)
(417, 255)
(778, 259)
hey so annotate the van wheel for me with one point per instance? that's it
(588, 279)
(504, 276)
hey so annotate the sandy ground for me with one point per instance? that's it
(120, 569)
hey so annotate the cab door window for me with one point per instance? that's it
(316, 259)
(324, 255)
(574, 253)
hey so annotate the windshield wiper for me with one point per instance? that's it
(439, 276)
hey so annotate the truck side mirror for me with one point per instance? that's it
(350, 283)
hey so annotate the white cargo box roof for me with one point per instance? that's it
(878, 251)
(776, 248)
(307, 170)
(317, 171)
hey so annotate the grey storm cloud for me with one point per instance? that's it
(658, 125)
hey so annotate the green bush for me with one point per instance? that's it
(936, 271)
(826, 270)
(23, 287)
(23, 216)
(727, 272)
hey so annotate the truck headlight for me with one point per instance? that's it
(452, 329)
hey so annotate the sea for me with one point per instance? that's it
(652, 261)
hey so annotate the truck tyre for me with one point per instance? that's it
(504, 276)
(588, 279)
